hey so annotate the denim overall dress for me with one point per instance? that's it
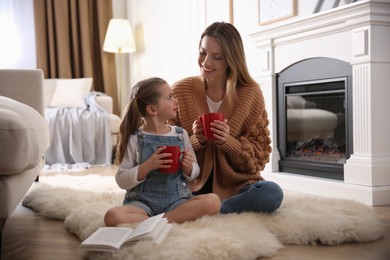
(159, 192)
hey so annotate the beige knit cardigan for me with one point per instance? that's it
(240, 159)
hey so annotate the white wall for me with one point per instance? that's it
(167, 33)
(167, 42)
(170, 29)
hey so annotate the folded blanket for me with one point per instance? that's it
(79, 135)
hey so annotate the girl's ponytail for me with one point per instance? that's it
(144, 93)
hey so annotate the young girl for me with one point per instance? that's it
(144, 134)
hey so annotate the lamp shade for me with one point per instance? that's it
(119, 37)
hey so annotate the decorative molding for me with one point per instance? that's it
(360, 42)
(332, 21)
(266, 60)
(361, 109)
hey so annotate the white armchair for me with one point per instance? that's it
(72, 93)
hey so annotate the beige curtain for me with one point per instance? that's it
(69, 40)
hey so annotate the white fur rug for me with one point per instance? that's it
(81, 201)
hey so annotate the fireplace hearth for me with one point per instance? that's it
(314, 115)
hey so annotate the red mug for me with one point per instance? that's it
(175, 165)
(208, 118)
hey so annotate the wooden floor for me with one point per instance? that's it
(27, 235)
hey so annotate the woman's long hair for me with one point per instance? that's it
(144, 93)
(229, 38)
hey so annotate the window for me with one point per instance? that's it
(17, 45)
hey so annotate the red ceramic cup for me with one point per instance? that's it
(208, 118)
(175, 165)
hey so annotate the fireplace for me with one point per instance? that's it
(355, 37)
(314, 123)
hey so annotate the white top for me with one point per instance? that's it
(213, 106)
(127, 173)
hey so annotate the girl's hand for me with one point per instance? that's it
(221, 131)
(156, 161)
(186, 162)
(197, 129)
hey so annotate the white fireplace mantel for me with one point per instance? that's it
(357, 33)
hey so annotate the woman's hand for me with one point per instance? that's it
(197, 129)
(186, 162)
(221, 131)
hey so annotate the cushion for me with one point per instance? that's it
(24, 136)
(49, 87)
(71, 92)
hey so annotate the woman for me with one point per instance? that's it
(231, 164)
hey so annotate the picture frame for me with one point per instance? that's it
(272, 11)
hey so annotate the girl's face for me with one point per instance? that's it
(212, 60)
(167, 104)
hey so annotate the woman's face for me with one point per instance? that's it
(212, 60)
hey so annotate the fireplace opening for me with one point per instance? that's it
(314, 117)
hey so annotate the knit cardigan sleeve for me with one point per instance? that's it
(188, 107)
(247, 150)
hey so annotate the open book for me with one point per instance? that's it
(155, 228)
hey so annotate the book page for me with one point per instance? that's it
(108, 236)
(164, 232)
(113, 238)
(146, 226)
(152, 235)
(158, 229)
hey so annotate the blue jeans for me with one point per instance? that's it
(261, 196)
